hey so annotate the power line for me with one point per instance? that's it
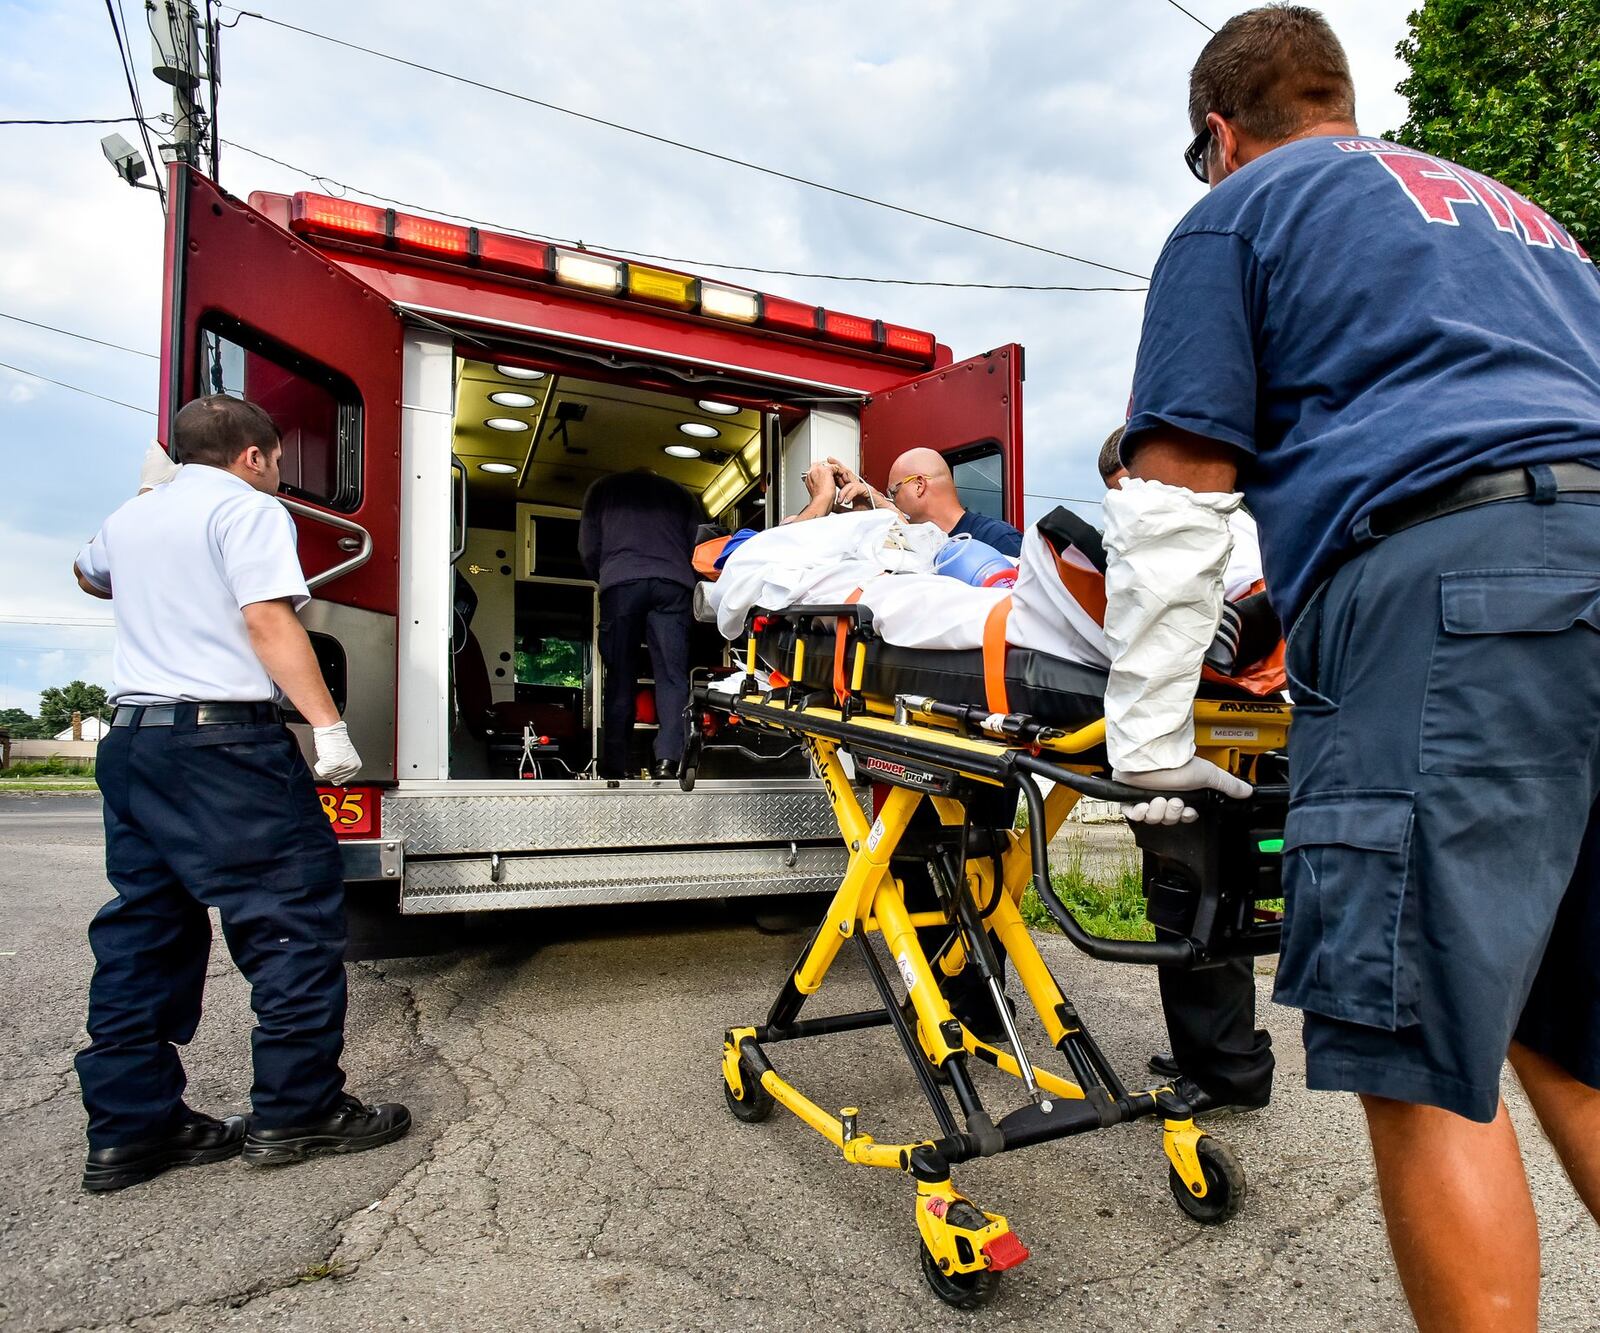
(81, 337)
(688, 147)
(325, 180)
(76, 388)
(96, 120)
(76, 622)
(118, 31)
(1195, 17)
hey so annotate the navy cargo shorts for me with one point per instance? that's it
(1442, 849)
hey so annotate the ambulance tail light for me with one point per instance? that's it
(660, 286)
(787, 316)
(913, 344)
(424, 236)
(516, 256)
(593, 273)
(322, 215)
(851, 330)
(735, 303)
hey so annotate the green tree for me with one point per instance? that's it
(60, 702)
(1511, 88)
(22, 725)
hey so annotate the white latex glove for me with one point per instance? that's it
(157, 469)
(337, 760)
(1196, 775)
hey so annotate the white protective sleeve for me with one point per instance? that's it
(1166, 550)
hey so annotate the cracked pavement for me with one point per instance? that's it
(573, 1165)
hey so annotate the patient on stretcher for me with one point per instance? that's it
(881, 560)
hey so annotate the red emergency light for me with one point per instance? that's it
(320, 215)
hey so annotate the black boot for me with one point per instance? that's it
(1162, 1065)
(196, 1140)
(352, 1127)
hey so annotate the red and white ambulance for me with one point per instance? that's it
(447, 395)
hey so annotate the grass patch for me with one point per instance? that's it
(1109, 904)
(33, 787)
(318, 1272)
(45, 768)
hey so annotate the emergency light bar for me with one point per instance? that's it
(446, 242)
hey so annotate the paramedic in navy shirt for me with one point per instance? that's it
(1397, 360)
(921, 488)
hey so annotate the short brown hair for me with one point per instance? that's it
(218, 428)
(1274, 71)
(1111, 455)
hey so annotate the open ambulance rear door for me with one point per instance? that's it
(971, 412)
(255, 312)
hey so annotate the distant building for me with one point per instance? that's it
(92, 729)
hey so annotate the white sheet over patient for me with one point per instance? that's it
(823, 561)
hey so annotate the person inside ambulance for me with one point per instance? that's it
(922, 488)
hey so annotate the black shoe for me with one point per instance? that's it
(1162, 1065)
(665, 770)
(198, 1139)
(1202, 1103)
(353, 1127)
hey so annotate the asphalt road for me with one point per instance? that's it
(573, 1165)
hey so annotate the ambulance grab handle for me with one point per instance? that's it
(362, 541)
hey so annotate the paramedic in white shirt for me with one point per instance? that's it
(209, 804)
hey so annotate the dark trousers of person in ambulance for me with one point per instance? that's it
(225, 817)
(657, 611)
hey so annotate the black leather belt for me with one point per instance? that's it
(199, 715)
(1541, 483)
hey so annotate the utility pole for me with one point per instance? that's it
(174, 29)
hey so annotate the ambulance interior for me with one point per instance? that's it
(526, 667)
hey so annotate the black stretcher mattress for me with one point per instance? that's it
(1053, 691)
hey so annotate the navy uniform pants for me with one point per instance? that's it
(1442, 850)
(1211, 1024)
(201, 817)
(659, 612)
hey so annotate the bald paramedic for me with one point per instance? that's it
(922, 487)
(208, 804)
(1397, 360)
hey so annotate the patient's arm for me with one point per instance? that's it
(824, 491)
(853, 491)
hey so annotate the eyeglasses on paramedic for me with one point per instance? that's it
(904, 481)
(1194, 156)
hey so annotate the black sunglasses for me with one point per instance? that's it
(1194, 156)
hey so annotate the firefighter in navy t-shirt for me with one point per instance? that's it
(1397, 360)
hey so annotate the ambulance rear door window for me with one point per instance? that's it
(317, 410)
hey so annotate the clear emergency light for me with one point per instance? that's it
(343, 220)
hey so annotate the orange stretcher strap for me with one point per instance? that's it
(705, 557)
(1087, 586)
(994, 657)
(841, 680)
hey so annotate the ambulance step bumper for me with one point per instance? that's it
(489, 884)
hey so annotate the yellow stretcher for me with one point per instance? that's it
(949, 774)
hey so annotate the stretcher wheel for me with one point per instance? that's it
(1224, 1185)
(757, 1103)
(965, 1291)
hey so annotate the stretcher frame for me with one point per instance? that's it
(940, 755)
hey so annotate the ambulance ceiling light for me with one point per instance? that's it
(506, 424)
(700, 430)
(718, 409)
(509, 399)
(681, 451)
(499, 469)
(520, 373)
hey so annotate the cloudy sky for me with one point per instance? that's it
(1058, 122)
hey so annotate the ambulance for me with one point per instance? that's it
(447, 394)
